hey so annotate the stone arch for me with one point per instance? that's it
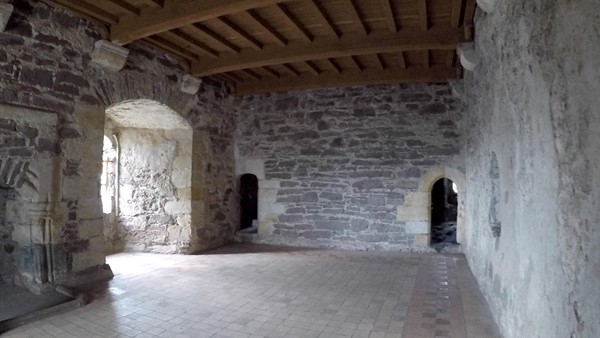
(416, 209)
(149, 127)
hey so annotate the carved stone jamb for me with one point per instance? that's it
(467, 55)
(487, 6)
(109, 55)
(6, 10)
(190, 85)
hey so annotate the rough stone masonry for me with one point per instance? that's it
(338, 163)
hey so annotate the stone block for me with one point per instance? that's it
(190, 84)
(6, 10)
(416, 227)
(178, 207)
(109, 55)
(181, 178)
(182, 162)
(422, 240)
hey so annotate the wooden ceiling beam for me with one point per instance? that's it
(355, 13)
(349, 78)
(388, 13)
(252, 74)
(323, 48)
(468, 20)
(271, 72)
(236, 78)
(326, 21)
(171, 47)
(402, 60)
(290, 70)
(334, 66)
(426, 61)
(215, 38)
(293, 22)
(240, 33)
(456, 12)
(89, 10)
(188, 42)
(178, 13)
(266, 27)
(379, 62)
(154, 3)
(312, 68)
(423, 18)
(357, 63)
(126, 6)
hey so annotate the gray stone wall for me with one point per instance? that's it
(154, 175)
(338, 163)
(533, 104)
(45, 64)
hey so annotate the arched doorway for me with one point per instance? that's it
(444, 210)
(248, 200)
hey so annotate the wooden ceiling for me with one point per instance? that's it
(280, 45)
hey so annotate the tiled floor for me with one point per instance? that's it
(258, 291)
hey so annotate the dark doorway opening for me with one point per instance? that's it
(444, 208)
(248, 200)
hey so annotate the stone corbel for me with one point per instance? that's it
(6, 10)
(468, 57)
(190, 85)
(487, 6)
(109, 55)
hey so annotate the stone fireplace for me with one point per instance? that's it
(30, 167)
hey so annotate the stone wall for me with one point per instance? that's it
(154, 199)
(533, 104)
(335, 165)
(45, 65)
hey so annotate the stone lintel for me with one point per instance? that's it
(190, 84)
(6, 10)
(468, 56)
(109, 55)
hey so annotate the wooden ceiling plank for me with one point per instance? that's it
(326, 21)
(356, 63)
(441, 38)
(426, 61)
(215, 38)
(154, 3)
(171, 48)
(192, 43)
(252, 74)
(356, 17)
(234, 77)
(87, 9)
(468, 20)
(271, 72)
(333, 65)
(456, 11)
(126, 6)
(379, 62)
(450, 58)
(293, 22)
(177, 14)
(312, 68)
(423, 18)
(290, 70)
(240, 33)
(390, 21)
(266, 27)
(402, 60)
(349, 78)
